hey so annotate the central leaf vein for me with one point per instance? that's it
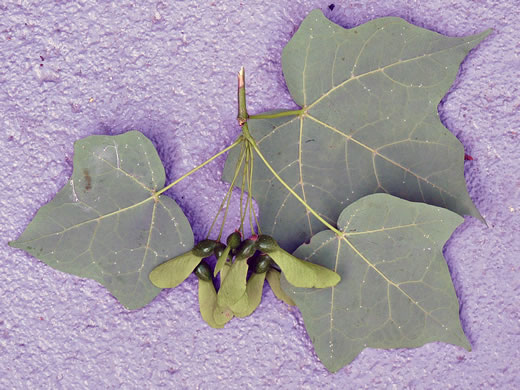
(381, 69)
(389, 281)
(376, 152)
(302, 184)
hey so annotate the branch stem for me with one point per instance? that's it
(242, 108)
(278, 114)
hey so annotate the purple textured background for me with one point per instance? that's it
(70, 69)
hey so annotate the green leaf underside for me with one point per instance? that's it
(371, 124)
(302, 273)
(395, 289)
(175, 271)
(273, 277)
(104, 225)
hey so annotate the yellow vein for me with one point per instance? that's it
(153, 197)
(149, 166)
(276, 129)
(376, 151)
(383, 68)
(363, 49)
(303, 73)
(384, 229)
(152, 220)
(340, 235)
(332, 292)
(300, 145)
(121, 170)
(429, 314)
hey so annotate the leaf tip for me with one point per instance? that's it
(476, 214)
(465, 343)
(487, 32)
(478, 38)
(17, 244)
(315, 12)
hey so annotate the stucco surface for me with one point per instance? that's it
(70, 69)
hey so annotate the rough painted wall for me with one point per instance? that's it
(70, 69)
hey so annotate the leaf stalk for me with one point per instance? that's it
(275, 174)
(278, 114)
(239, 140)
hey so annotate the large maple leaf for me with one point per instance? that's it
(369, 124)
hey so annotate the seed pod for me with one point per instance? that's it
(219, 249)
(203, 271)
(246, 249)
(233, 240)
(233, 285)
(273, 278)
(266, 244)
(204, 248)
(253, 295)
(208, 303)
(174, 271)
(262, 264)
(221, 262)
(302, 273)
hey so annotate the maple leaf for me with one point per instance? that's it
(369, 123)
(106, 223)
